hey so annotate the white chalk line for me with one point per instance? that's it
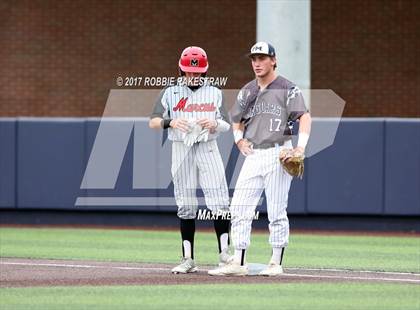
(82, 266)
(354, 271)
(285, 274)
(350, 278)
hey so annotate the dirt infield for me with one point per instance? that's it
(35, 272)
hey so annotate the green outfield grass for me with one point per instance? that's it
(262, 296)
(305, 250)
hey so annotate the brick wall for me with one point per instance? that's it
(60, 58)
(368, 53)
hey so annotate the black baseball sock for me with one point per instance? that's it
(221, 226)
(277, 255)
(281, 257)
(187, 228)
(240, 256)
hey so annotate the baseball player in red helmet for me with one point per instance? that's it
(193, 112)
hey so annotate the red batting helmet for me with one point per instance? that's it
(193, 59)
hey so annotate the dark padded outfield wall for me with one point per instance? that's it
(297, 195)
(115, 151)
(402, 167)
(347, 178)
(372, 168)
(7, 162)
(49, 162)
(127, 154)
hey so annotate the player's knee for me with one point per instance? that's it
(186, 213)
(279, 243)
(278, 220)
(187, 216)
(218, 208)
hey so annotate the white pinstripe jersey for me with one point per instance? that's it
(179, 101)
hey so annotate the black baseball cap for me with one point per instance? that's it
(262, 48)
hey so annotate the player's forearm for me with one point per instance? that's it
(155, 123)
(222, 126)
(238, 131)
(305, 122)
(238, 126)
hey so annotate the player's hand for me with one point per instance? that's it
(181, 124)
(245, 147)
(296, 152)
(209, 124)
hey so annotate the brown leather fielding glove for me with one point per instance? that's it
(292, 162)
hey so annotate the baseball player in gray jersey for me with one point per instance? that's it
(261, 119)
(195, 115)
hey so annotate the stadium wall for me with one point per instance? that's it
(371, 169)
(60, 58)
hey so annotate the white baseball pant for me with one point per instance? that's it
(261, 171)
(201, 163)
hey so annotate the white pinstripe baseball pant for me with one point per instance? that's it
(261, 171)
(201, 163)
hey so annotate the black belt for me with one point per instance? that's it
(266, 145)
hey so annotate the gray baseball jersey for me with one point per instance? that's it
(179, 101)
(267, 114)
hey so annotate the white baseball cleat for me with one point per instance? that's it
(224, 257)
(273, 269)
(187, 266)
(230, 269)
